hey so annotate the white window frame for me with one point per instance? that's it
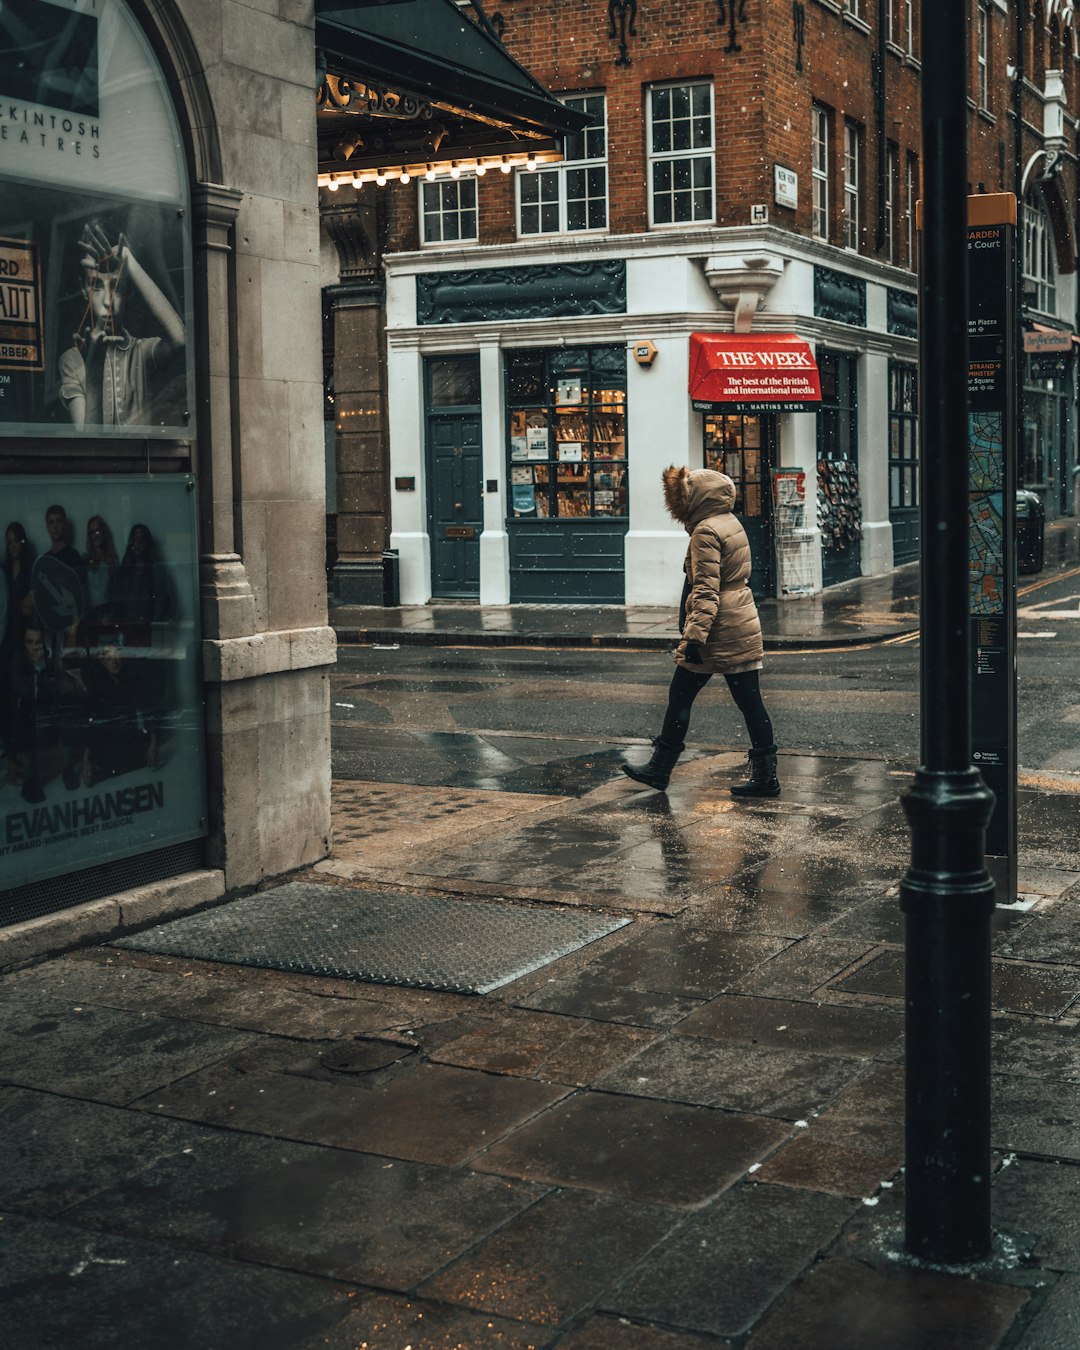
(892, 17)
(819, 172)
(441, 214)
(852, 170)
(854, 8)
(892, 183)
(554, 182)
(697, 156)
(1039, 261)
(912, 187)
(982, 56)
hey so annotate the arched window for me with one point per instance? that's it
(1039, 267)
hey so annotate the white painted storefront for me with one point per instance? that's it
(676, 284)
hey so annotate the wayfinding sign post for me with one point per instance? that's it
(947, 895)
(991, 243)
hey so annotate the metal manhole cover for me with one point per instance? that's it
(425, 941)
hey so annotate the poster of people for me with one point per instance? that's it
(101, 726)
(94, 229)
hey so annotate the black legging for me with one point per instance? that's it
(745, 690)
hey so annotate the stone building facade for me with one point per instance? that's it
(191, 199)
(164, 689)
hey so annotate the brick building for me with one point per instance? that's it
(743, 202)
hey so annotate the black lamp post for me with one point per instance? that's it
(947, 896)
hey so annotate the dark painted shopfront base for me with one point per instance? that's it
(567, 562)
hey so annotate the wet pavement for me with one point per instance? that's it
(869, 609)
(863, 610)
(680, 1129)
(683, 1133)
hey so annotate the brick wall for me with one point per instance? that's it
(763, 104)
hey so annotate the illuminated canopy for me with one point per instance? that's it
(416, 86)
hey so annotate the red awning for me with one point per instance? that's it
(752, 372)
(1042, 338)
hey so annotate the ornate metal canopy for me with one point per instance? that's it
(416, 87)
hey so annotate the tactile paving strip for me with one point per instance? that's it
(425, 941)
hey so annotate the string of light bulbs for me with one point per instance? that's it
(405, 173)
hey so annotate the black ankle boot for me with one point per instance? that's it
(763, 781)
(657, 772)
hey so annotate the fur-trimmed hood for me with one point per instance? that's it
(692, 495)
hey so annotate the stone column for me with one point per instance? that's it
(877, 547)
(227, 602)
(494, 543)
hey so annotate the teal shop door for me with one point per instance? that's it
(455, 506)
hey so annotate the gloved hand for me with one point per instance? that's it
(693, 654)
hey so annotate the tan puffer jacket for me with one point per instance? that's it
(720, 609)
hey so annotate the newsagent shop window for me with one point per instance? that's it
(567, 433)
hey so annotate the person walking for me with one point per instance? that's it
(720, 628)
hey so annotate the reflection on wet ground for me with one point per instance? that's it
(463, 760)
(600, 837)
(584, 1157)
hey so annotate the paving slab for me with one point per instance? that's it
(1031, 1115)
(802, 968)
(1046, 822)
(444, 1115)
(555, 1260)
(777, 913)
(1050, 935)
(815, 1028)
(59, 1151)
(63, 1287)
(1054, 1318)
(848, 1305)
(197, 997)
(871, 921)
(724, 1270)
(342, 1215)
(1014, 987)
(433, 1113)
(386, 1322)
(1035, 1049)
(586, 993)
(1042, 1197)
(685, 959)
(655, 1152)
(827, 872)
(788, 1084)
(619, 1333)
(842, 1152)
(570, 1050)
(1048, 881)
(104, 1054)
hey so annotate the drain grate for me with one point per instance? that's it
(425, 941)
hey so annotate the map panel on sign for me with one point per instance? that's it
(986, 533)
